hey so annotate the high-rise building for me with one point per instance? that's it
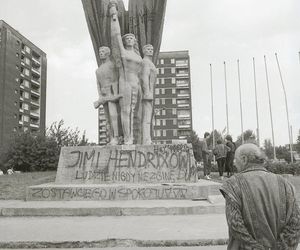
(172, 119)
(23, 72)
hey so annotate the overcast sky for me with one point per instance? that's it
(213, 32)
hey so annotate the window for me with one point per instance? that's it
(158, 132)
(156, 101)
(157, 91)
(163, 122)
(17, 67)
(26, 94)
(162, 71)
(163, 112)
(174, 121)
(173, 91)
(161, 61)
(174, 132)
(163, 101)
(25, 118)
(26, 83)
(26, 72)
(157, 80)
(173, 80)
(174, 111)
(173, 70)
(162, 91)
(17, 55)
(27, 61)
(26, 48)
(17, 79)
(25, 129)
(157, 122)
(172, 60)
(25, 106)
(162, 81)
(164, 132)
(173, 100)
(16, 91)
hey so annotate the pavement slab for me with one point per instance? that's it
(122, 231)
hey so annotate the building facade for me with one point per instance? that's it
(172, 118)
(23, 73)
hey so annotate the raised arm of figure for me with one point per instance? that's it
(115, 25)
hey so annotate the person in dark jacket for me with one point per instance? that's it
(230, 155)
(205, 156)
(220, 152)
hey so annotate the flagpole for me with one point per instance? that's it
(226, 97)
(286, 108)
(241, 107)
(212, 105)
(270, 106)
(256, 104)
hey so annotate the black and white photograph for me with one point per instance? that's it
(150, 124)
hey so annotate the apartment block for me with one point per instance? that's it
(172, 118)
(23, 73)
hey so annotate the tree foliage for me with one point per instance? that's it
(217, 136)
(249, 137)
(298, 142)
(38, 152)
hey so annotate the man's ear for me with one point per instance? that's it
(245, 159)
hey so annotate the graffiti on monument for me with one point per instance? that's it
(163, 163)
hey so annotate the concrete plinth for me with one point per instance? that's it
(155, 191)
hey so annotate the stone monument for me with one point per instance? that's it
(126, 45)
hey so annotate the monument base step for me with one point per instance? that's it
(111, 208)
(101, 192)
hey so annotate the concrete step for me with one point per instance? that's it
(214, 205)
(110, 232)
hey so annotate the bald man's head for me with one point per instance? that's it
(248, 154)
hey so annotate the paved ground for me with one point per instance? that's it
(148, 248)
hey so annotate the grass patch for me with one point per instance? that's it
(13, 187)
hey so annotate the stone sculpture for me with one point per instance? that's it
(126, 33)
(128, 75)
(148, 79)
(107, 84)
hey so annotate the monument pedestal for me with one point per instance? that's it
(125, 172)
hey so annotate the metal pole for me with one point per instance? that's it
(212, 105)
(256, 104)
(270, 106)
(292, 143)
(286, 106)
(241, 107)
(226, 97)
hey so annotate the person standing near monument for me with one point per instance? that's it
(261, 209)
(220, 152)
(148, 79)
(107, 85)
(206, 156)
(129, 70)
(230, 155)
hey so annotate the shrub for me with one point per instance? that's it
(283, 168)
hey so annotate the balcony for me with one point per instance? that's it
(183, 105)
(185, 116)
(35, 103)
(182, 64)
(184, 126)
(34, 114)
(182, 74)
(22, 63)
(36, 60)
(185, 95)
(102, 135)
(34, 125)
(35, 82)
(21, 110)
(21, 122)
(182, 85)
(182, 137)
(35, 92)
(36, 71)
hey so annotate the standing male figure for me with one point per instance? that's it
(220, 152)
(107, 84)
(206, 156)
(148, 79)
(230, 155)
(261, 208)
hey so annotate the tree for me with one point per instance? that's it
(283, 153)
(65, 136)
(298, 142)
(195, 141)
(31, 152)
(249, 137)
(217, 136)
(268, 148)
